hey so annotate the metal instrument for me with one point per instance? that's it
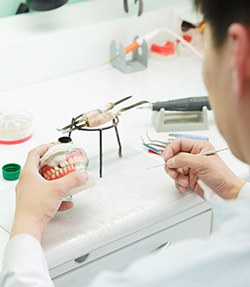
(141, 6)
(184, 104)
(98, 117)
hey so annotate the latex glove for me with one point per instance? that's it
(186, 168)
(37, 199)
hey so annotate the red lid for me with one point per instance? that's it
(167, 49)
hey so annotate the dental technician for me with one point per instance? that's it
(221, 260)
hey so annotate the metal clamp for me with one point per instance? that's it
(141, 6)
(138, 62)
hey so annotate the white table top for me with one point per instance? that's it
(129, 197)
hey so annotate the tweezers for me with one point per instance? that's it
(79, 122)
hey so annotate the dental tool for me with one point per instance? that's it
(210, 152)
(173, 136)
(157, 142)
(83, 117)
(96, 120)
(151, 148)
(182, 104)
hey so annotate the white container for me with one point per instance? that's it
(15, 125)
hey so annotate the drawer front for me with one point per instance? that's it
(197, 226)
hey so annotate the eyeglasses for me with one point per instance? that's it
(186, 26)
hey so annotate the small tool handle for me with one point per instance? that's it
(184, 104)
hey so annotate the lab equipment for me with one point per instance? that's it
(141, 6)
(138, 62)
(15, 125)
(149, 36)
(171, 136)
(96, 120)
(183, 104)
(156, 142)
(92, 114)
(152, 148)
(11, 171)
(62, 159)
(180, 114)
(45, 5)
(212, 152)
(209, 152)
(173, 121)
(22, 8)
(166, 51)
(98, 117)
(186, 26)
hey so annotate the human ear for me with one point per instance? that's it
(239, 41)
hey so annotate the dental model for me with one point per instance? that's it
(62, 159)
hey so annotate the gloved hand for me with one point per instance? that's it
(186, 168)
(37, 199)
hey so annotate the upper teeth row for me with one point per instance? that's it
(75, 159)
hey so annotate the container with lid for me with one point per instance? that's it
(15, 125)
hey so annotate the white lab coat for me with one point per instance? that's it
(222, 260)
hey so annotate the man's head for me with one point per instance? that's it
(226, 69)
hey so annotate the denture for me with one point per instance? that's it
(61, 160)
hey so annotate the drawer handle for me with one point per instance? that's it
(82, 258)
(163, 247)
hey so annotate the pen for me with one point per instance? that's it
(210, 152)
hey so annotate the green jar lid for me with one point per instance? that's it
(11, 171)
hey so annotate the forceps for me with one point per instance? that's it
(98, 117)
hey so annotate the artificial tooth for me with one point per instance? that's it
(57, 173)
(61, 170)
(65, 169)
(52, 171)
(53, 176)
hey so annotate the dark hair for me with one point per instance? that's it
(220, 14)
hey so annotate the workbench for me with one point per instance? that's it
(132, 210)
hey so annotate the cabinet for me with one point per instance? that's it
(118, 255)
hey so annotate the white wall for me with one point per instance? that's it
(34, 47)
